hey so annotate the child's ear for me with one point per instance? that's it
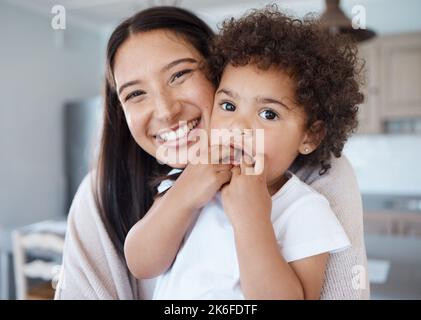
(313, 137)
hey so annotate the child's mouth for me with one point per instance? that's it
(236, 155)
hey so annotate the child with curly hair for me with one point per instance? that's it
(265, 235)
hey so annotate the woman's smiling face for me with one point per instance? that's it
(163, 91)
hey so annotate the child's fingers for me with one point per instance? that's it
(236, 171)
(222, 167)
(224, 176)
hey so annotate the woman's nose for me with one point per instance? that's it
(166, 108)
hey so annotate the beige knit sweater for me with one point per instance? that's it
(92, 268)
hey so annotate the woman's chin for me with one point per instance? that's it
(173, 163)
(177, 155)
(175, 159)
(177, 165)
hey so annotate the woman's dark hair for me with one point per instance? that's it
(324, 67)
(122, 191)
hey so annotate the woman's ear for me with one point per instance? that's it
(313, 137)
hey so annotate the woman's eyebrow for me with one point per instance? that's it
(167, 67)
(128, 84)
(265, 100)
(178, 61)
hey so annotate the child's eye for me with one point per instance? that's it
(268, 114)
(228, 106)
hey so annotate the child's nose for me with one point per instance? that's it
(241, 125)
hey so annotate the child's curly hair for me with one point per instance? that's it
(325, 69)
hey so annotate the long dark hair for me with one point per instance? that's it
(121, 191)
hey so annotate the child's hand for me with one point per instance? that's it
(199, 182)
(246, 198)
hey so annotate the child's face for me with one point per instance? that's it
(250, 98)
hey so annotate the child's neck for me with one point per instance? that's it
(277, 184)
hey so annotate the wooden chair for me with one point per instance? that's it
(37, 251)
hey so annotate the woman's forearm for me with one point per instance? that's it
(154, 241)
(264, 273)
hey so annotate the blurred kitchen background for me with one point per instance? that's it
(50, 110)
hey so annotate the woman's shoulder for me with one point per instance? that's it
(85, 187)
(92, 267)
(340, 176)
(83, 210)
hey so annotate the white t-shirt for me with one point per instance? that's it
(206, 265)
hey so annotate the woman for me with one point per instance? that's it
(156, 78)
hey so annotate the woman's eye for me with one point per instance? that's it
(179, 75)
(268, 114)
(133, 95)
(228, 106)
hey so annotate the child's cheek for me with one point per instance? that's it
(275, 156)
(215, 120)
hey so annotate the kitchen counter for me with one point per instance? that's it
(392, 227)
(403, 256)
(392, 215)
(390, 202)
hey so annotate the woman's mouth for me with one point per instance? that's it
(173, 136)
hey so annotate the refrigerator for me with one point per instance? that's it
(82, 124)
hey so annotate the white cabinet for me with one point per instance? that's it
(393, 80)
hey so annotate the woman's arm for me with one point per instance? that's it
(153, 243)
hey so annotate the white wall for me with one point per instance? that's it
(383, 16)
(36, 78)
(386, 164)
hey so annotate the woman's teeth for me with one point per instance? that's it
(181, 131)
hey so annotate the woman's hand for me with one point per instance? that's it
(199, 182)
(246, 198)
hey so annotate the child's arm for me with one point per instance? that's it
(153, 242)
(264, 272)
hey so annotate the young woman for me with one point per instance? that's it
(156, 77)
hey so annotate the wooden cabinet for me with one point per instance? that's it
(393, 223)
(368, 112)
(393, 80)
(400, 76)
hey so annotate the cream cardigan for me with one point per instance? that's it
(92, 268)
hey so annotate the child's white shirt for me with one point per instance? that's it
(206, 265)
